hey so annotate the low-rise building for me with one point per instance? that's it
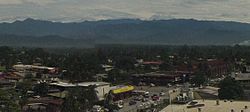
(161, 78)
(36, 71)
(243, 78)
(43, 104)
(102, 88)
(121, 92)
(209, 106)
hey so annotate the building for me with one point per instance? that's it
(43, 104)
(36, 71)
(209, 106)
(102, 88)
(155, 65)
(107, 67)
(243, 78)
(9, 80)
(216, 68)
(121, 92)
(22, 67)
(161, 78)
(118, 92)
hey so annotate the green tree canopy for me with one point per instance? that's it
(41, 89)
(230, 89)
(199, 79)
(80, 99)
(8, 101)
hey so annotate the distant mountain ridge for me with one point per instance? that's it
(126, 31)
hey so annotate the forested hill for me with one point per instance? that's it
(125, 31)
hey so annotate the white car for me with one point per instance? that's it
(120, 104)
(162, 93)
(96, 108)
(152, 85)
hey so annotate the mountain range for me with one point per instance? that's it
(40, 33)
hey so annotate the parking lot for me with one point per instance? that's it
(155, 96)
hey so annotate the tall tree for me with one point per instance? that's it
(199, 79)
(41, 89)
(80, 99)
(8, 102)
(230, 89)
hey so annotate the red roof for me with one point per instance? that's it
(152, 62)
(215, 62)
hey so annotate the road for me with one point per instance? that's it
(152, 90)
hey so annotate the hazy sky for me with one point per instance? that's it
(79, 10)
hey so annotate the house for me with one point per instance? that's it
(102, 88)
(160, 78)
(243, 78)
(217, 68)
(155, 65)
(43, 104)
(36, 71)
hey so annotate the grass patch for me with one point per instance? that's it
(2, 68)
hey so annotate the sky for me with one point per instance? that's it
(81, 10)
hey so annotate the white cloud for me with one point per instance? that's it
(39, 2)
(9, 2)
(18, 2)
(72, 10)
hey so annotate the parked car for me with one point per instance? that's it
(146, 94)
(97, 108)
(120, 104)
(162, 93)
(145, 99)
(155, 98)
(132, 102)
(152, 85)
(138, 98)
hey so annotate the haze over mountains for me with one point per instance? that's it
(38, 33)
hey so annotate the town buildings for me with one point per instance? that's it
(161, 78)
(209, 106)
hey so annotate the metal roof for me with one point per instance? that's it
(83, 84)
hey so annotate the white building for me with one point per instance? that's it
(32, 67)
(102, 88)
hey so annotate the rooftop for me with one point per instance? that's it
(152, 62)
(83, 84)
(32, 66)
(155, 74)
(210, 106)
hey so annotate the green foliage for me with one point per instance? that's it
(117, 76)
(82, 64)
(8, 101)
(41, 89)
(23, 88)
(80, 99)
(199, 79)
(2, 68)
(125, 63)
(230, 89)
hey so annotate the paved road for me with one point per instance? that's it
(138, 105)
